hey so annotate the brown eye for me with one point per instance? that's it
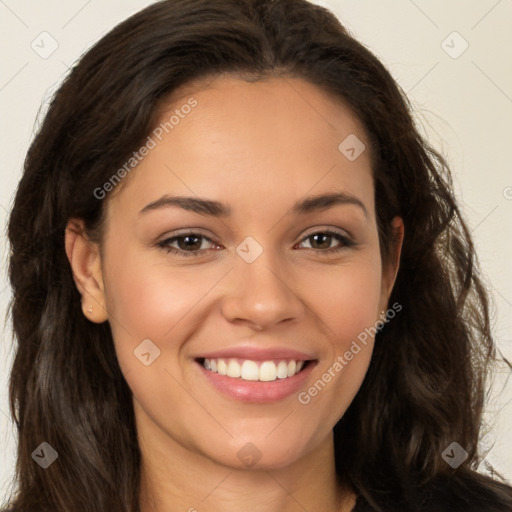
(189, 244)
(322, 241)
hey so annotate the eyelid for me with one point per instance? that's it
(331, 229)
(311, 231)
(188, 232)
(344, 238)
(170, 238)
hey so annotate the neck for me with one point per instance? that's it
(176, 479)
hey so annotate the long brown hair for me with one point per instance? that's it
(426, 381)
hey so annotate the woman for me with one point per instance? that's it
(241, 280)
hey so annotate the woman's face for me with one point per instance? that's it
(249, 272)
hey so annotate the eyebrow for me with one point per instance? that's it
(217, 209)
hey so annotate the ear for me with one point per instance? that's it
(390, 271)
(85, 261)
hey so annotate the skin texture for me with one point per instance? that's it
(258, 147)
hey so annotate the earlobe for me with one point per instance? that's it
(85, 261)
(398, 237)
(390, 273)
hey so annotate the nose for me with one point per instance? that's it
(261, 296)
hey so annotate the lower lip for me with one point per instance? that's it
(257, 391)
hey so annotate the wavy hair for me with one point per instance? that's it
(426, 382)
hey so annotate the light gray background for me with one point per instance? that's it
(463, 104)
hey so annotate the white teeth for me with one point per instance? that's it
(266, 371)
(282, 370)
(234, 369)
(250, 371)
(222, 367)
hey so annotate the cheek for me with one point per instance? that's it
(345, 298)
(152, 302)
(148, 301)
(347, 303)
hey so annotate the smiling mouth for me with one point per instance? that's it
(249, 370)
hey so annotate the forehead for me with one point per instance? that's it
(286, 106)
(253, 141)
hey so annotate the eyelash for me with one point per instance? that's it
(345, 241)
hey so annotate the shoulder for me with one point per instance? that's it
(469, 493)
(16, 508)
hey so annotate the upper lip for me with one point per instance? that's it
(257, 354)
